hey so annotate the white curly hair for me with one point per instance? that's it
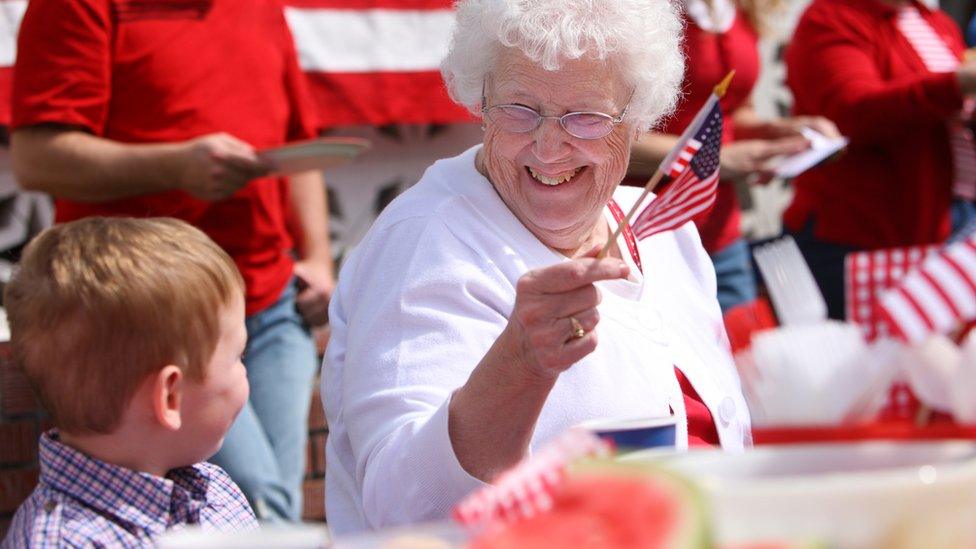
(642, 38)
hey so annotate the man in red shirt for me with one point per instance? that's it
(157, 108)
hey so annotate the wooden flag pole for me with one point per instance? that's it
(655, 179)
(719, 91)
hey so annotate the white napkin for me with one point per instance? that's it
(932, 367)
(964, 385)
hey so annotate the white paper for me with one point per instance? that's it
(821, 148)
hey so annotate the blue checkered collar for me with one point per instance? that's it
(142, 500)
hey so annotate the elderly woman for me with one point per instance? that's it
(475, 322)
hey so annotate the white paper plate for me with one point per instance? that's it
(315, 154)
(433, 535)
(872, 494)
(295, 536)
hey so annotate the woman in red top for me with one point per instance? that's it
(890, 73)
(721, 35)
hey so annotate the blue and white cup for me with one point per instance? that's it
(635, 434)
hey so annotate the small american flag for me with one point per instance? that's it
(937, 297)
(692, 167)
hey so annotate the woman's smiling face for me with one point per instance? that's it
(554, 183)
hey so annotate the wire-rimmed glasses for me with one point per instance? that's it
(516, 118)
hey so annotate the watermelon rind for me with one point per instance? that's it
(695, 531)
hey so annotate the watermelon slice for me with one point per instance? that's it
(605, 504)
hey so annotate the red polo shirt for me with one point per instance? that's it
(849, 62)
(164, 71)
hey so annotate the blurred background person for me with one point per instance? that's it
(890, 73)
(721, 36)
(113, 116)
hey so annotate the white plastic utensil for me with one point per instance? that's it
(808, 374)
(791, 286)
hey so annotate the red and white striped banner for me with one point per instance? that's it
(938, 297)
(369, 62)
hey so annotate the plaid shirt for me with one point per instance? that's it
(81, 501)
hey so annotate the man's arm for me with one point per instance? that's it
(76, 165)
(314, 268)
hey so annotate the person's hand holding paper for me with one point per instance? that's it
(315, 154)
(763, 147)
(821, 147)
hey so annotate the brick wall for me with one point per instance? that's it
(22, 420)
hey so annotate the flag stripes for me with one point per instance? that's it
(693, 167)
(371, 62)
(684, 158)
(936, 297)
(938, 58)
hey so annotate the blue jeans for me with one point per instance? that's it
(963, 218)
(265, 449)
(734, 275)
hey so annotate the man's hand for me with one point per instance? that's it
(316, 284)
(215, 166)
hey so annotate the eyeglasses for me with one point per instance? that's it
(521, 119)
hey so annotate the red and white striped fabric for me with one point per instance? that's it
(938, 58)
(868, 275)
(369, 62)
(937, 297)
(526, 490)
(684, 158)
(376, 61)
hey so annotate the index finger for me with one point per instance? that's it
(570, 275)
(823, 125)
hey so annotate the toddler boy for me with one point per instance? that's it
(131, 332)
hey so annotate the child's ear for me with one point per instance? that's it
(167, 392)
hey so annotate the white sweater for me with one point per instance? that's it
(427, 292)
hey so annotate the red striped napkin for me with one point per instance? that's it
(870, 274)
(937, 297)
(526, 490)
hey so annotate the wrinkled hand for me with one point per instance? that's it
(316, 284)
(546, 298)
(215, 166)
(751, 159)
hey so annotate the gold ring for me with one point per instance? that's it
(578, 330)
